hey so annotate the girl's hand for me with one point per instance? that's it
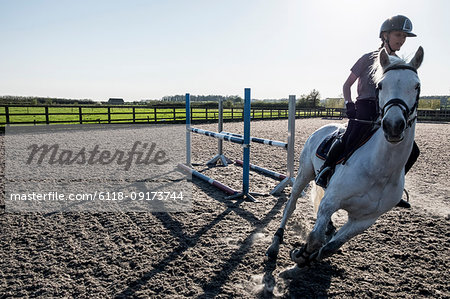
(351, 110)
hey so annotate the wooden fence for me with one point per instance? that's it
(433, 115)
(39, 114)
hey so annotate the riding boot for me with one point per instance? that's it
(415, 152)
(411, 160)
(327, 169)
(403, 204)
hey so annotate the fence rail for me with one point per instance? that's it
(38, 114)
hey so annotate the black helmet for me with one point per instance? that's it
(397, 23)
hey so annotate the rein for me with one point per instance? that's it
(407, 112)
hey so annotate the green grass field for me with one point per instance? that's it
(125, 114)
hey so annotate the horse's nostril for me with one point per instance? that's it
(400, 125)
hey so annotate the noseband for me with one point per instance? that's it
(407, 112)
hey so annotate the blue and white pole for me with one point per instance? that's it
(246, 163)
(246, 145)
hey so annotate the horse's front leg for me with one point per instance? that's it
(297, 189)
(318, 236)
(352, 228)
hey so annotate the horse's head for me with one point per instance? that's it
(398, 93)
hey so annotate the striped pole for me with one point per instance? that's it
(289, 178)
(263, 170)
(245, 141)
(209, 180)
(260, 140)
(217, 135)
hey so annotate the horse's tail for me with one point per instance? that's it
(317, 193)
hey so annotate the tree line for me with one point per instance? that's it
(310, 100)
(7, 100)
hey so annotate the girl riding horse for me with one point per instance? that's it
(393, 34)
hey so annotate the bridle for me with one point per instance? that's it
(407, 112)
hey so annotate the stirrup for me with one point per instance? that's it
(322, 177)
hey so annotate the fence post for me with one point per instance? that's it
(47, 121)
(155, 113)
(206, 113)
(109, 115)
(134, 114)
(7, 114)
(174, 114)
(80, 114)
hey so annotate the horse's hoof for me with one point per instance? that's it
(327, 250)
(274, 248)
(297, 256)
(272, 252)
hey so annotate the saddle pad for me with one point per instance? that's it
(325, 145)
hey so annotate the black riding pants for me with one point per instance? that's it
(356, 131)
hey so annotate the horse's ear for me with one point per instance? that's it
(417, 59)
(384, 58)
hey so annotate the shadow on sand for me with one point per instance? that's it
(309, 282)
(214, 285)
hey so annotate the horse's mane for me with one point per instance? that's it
(377, 70)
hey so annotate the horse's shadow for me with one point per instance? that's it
(308, 282)
(311, 281)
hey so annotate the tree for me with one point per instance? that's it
(310, 100)
(333, 103)
(314, 98)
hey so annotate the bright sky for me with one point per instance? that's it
(136, 49)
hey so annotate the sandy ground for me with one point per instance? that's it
(218, 249)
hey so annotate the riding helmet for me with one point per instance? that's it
(397, 23)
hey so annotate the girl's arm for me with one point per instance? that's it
(347, 87)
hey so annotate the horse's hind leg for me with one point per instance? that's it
(303, 178)
(352, 228)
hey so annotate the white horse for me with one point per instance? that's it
(372, 180)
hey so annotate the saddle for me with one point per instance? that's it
(325, 145)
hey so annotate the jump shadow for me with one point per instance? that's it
(214, 286)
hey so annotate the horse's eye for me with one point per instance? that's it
(418, 86)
